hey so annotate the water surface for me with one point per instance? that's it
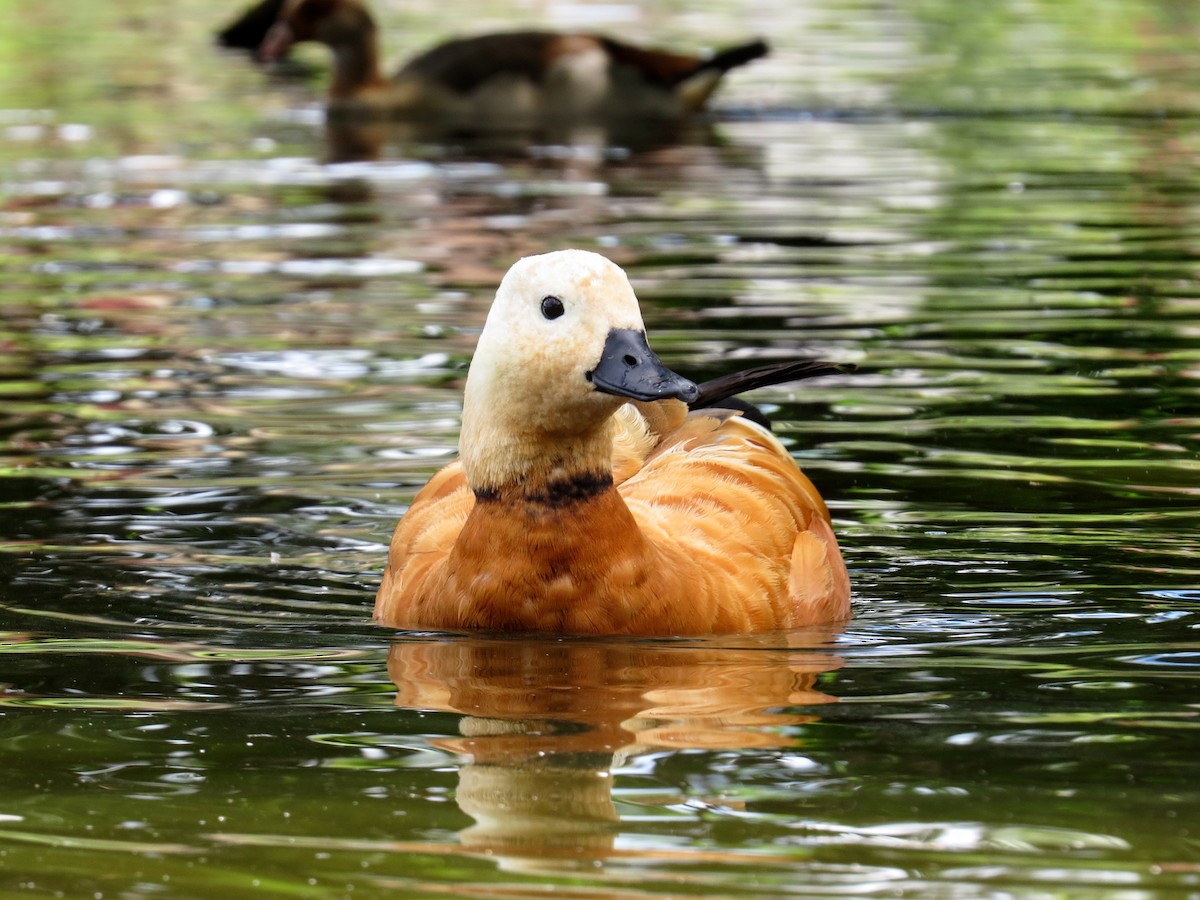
(227, 364)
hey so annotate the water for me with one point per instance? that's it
(228, 365)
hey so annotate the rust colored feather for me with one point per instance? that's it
(717, 531)
(576, 513)
(669, 69)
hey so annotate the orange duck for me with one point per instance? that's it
(587, 499)
(502, 81)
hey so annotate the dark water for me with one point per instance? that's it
(226, 366)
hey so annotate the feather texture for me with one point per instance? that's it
(648, 520)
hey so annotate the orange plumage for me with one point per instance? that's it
(573, 511)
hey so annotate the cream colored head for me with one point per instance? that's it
(558, 355)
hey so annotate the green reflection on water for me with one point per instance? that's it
(226, 368)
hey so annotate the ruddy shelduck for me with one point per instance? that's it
(587, 499)
(505, 80)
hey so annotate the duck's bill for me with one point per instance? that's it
(278, 41)
(629, 368)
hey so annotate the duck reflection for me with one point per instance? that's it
(545, 721)
(567, 143)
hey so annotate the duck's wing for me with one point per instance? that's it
(726, 386)
(641, 426)
(464, 64)
(725, 495)
(721, 392)
(692, 79)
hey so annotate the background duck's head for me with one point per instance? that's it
(338, 24)
(563, 347)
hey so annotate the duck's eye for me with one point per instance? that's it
(552, 307)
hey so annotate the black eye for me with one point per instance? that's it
(552, 307)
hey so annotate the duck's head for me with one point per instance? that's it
(563, 347)
(335, 23)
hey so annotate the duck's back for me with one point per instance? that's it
(760, 549)
(508, 80)
(514, 75)
(464, 64)
(730, 537)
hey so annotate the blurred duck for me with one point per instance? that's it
(506, 80)
(588, 500)
(247, 31)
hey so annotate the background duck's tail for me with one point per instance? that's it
(736, 56)
(696, 86)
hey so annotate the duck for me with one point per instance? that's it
(247, 31)
(507, 80)
(597, 492)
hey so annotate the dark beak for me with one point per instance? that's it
(278, 41)
(629, 368)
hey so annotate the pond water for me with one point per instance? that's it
(227, 364)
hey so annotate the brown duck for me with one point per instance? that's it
(506, 80)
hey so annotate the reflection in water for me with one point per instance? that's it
(354, 140)
(545, 721)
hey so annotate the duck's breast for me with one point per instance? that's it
(421, 544)
(717, 531)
